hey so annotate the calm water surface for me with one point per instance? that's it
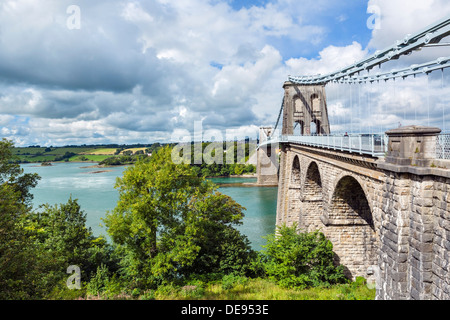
(96, 195)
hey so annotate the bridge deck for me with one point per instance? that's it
(374, 145)
(368, 144)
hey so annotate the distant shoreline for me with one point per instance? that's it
(253, 175)
(97, 166)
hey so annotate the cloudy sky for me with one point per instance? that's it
(118, 71)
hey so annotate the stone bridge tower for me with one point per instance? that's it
(267, 167)
(305, 110)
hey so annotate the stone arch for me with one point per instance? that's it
(361, 183)
(314, 128)
(295, 172)
(349, 195)
(313, 182)
(300, 124)
(351, 228)
(312, 199)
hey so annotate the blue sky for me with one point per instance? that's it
(134, 71)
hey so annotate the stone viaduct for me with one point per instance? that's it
(387, 217)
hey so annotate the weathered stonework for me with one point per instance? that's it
(324, 194)
(305, 105)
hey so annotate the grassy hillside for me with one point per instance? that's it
(36, 154)
(100, 151)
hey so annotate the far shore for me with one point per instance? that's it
(97, 166)
(253, 175)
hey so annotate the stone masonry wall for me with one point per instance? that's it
(313, 203)
(414, 257)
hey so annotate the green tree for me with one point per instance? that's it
(19, 262)
(167, 219)
(12, 174)
(61, 229)
(301, 259)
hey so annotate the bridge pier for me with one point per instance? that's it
(267, 163)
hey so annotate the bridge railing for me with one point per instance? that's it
(443, 146)
(370, 144)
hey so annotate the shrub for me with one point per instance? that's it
(231, 280)
(301, 259)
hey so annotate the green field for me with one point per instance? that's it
(133, 150)
(105, 151)
(56, 154)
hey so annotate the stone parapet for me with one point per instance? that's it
(412, 145)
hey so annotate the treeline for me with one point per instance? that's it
(128, 157)
(121, 160)
(222, 165)
(169, 228)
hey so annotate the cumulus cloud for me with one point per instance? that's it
(137, 71)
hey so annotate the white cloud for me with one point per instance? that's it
(401, 17)
(140, 70)
(330, 59)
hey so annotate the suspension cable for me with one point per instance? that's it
(279, 117)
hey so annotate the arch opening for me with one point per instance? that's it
(299, 128)
(296, 174)
(350, 202)
(313, 183)
(312, 199)
(351, 228)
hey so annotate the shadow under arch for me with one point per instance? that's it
(312, 189)
(350, 227)
(296, 172)
(349, 201)
(311, 199)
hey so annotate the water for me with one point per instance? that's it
(94, 189)
(260, 204)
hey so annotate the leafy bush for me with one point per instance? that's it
(229, 281)
(301, 259)
(99, 281)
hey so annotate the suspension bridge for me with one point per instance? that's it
(346, 80)
(344, 164)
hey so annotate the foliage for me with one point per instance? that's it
(19, 262)
(99, 281)
(301, 259)
(12, 175)
(173, 237)
(37, 248)
(61, 230)
(229, 281)
(213, 159)
(169, 222)
(240, 288)
(121, 160)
